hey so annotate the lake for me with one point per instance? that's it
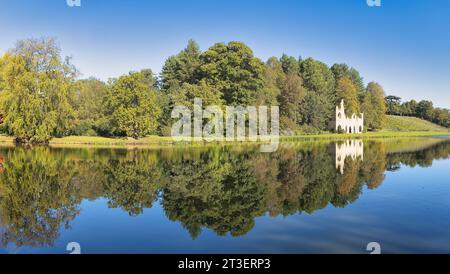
(307, 197)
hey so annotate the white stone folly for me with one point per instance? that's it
(342, 123)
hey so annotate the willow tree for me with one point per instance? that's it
(37, 86)
(132, 105)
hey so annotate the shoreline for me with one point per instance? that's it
(155, 141)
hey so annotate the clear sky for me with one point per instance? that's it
(404, 44)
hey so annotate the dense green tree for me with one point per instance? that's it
(89, 107)
(374, 107)
(316, 112)
(393, 104)
(291, 98)
(441, 116)
(234, 71)
(343, 70)
(289, 64)
(208, 94)
(319, 80)
(273, 79)
(409, 108)
(340, 71)
(182, 68)
(347, 91)
(425, 110)
(150, 79)
(184, 96)
(132, 105)
(37, 90)
(357, 79)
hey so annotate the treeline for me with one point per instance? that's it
(423, 109)
(221, 188)
(41, 96)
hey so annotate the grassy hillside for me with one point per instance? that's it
(400, 123)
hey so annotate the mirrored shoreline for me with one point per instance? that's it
(218, 190)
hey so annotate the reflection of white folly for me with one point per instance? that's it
(350, 148)
(342, 123)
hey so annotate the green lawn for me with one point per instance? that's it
(400, 123)
(397, 127)
(86, 140)
(367, 135)
(156, 140)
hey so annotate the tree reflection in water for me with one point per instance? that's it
(222, 188)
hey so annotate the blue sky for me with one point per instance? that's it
(404, 44)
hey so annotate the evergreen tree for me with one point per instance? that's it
(182, 68)
(319, 80)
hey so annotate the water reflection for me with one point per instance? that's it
(349, 148)
(221, 188)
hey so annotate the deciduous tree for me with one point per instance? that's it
(132, 105)
(37, 86)
(347, 91)
(374, 107)
(234, 71)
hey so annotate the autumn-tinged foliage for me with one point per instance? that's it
(374, 107)
(347, 91)
(41, 96)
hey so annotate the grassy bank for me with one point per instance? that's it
(397, 127)
(402, 123)
(157, 140)
(367, 135)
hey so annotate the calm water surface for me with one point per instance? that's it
(308, 197)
